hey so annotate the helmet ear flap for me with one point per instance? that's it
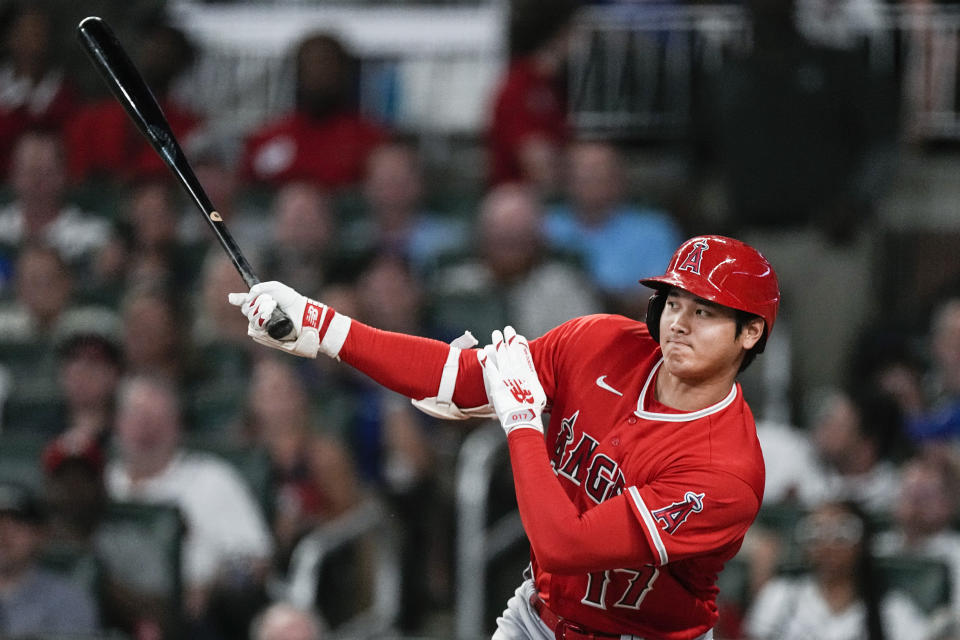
(655, 306)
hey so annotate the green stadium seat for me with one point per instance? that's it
(140, 547)
(20, 459)
(925, 580)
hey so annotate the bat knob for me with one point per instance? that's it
(280, 326)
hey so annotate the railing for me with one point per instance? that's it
(634, 66)
(433, 69)
(428, 69)
(477, 543)
(300, 588)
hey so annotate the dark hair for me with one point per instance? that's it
(533, 23)
(881, 420)
(868, 579)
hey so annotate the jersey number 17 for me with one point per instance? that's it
(632, 586)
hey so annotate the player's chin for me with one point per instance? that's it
(678, 361)
(677, 352)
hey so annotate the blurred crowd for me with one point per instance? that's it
(158, 471)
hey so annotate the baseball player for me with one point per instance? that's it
(650, 472)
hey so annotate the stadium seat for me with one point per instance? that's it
(925, 580)
(20, 458)
(139, 546)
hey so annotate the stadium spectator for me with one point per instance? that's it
(614, 239)
(43, 294)
(215, 160)
(303, 228)
(227, 547)
(792, 467)
(395, 445)
(324, 139)
(314, 477)
(395, 219)
(103, 142)
(34, 93)
(74, 491)
(315, 484)
(924, 516)
(804, 140)
(39, 212)
(858, 436)
(281, 621)
(152, 342)
(89, 366)
(43, 291)
(889, 360)
(511, 275)
(842, 597)
(35, 602)
(213, 323)
(147, 243)
(939, 425)
(528, 126)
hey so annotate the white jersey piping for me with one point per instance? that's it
(679, 417)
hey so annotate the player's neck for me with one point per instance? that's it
(691, 395)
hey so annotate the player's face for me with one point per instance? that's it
(699, 338)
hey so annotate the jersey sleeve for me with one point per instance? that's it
(689, 512)
(411, 365)
(683, 514)
(564, 539)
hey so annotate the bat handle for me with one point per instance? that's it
(280, 326)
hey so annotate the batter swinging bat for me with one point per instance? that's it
(131, 91)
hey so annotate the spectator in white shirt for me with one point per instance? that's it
(39, 211)
(841, 598)
(924, 515)
(857, 436)
(227, 535)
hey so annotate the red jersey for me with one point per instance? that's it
(24, 105)
(631, 507)
(102, 140)
(694, 481)
(331, 152)
(526, 105)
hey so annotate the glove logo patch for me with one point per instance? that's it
(311, 316)
(519, 393)
(671, 517)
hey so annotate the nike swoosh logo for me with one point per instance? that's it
(603, 385)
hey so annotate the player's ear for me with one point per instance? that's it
(751, 332)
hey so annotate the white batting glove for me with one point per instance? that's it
(511, 381)
(318, 327)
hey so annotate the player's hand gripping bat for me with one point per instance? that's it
(131, 91)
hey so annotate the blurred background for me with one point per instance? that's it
(436, 167)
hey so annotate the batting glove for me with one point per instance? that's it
(318, 327)
(511, 381)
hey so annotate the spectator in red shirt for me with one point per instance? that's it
(529, 124)
(103, 141)
(324, 139)
(33, 91)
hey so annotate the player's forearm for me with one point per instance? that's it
(565, 540)
(410, 365)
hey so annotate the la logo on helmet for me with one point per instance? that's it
(692, 262)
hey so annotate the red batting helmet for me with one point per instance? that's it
(725, 271)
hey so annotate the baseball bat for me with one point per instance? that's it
(129, 88)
